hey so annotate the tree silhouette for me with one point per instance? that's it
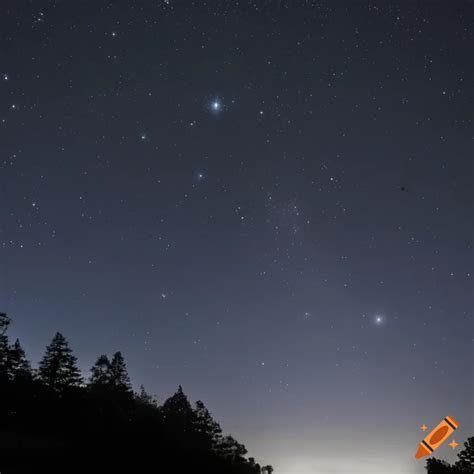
(254, 466)
(101, 374)
(465, 465)
(435, 466)
(19, 367)
(4, 348)
(105, 414)
(4, 323)
(230, 448)
(178, 407)
(58, 369)
(144, 398)
(119, 378)
(466, 456)
(209, 431)
(179, 418)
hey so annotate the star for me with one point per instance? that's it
(423, 427)
(216, 106)
(143, 137)
(453, 444)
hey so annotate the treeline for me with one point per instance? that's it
(54, 420)
(464, 464)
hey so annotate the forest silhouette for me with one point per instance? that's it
(54, 420)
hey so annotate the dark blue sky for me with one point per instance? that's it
(268, 202)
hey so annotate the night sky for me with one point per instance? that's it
(267, 202)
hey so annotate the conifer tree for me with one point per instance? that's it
(19, 367)
(119, 378)
(58, 368)
(178, 404)
(4, 347)
(178, 414)
(4, 323)
(144, 398)
(101, 373)
(206, 425)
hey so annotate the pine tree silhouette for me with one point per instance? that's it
(144, 398)
(174, 437)
(4, 323)
(178, 404)
(178, 415)
(4, 347)
(58, 368)
(206, 426)
(19, 367)
(101, 373)
(119, 378)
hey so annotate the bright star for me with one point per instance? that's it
(216, 106)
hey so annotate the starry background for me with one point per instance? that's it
(268, 202)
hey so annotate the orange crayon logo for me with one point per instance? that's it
(437, 437)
